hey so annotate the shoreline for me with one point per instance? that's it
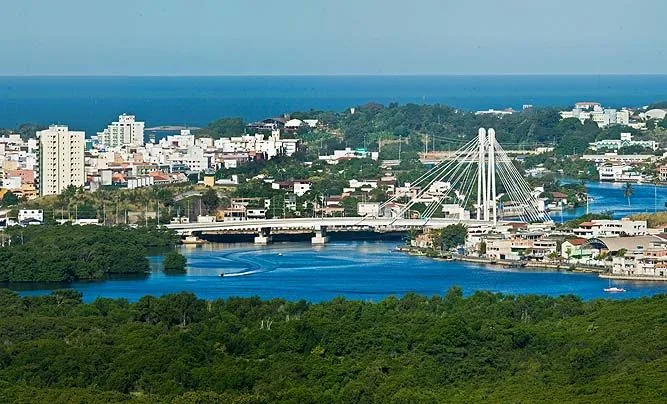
(508, 263)
(532, 264)
(528, 264)
(633, 278)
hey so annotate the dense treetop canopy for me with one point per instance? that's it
(67, 253)
(484, 348)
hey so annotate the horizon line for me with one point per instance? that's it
(331, 75)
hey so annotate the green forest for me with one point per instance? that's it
(448, 128)
(68, 253)
(482, 348)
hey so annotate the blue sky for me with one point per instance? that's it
(218, 37)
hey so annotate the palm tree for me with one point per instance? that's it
(628, 191)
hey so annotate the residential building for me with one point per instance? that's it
(641, 256)
(126, 131)
(611, 228)
(348, 153)
(508, 111)
(593, 111)
(30, 215)
(619, 173)
(62, 160)
(371, 209)
(507, 249)
(578, 250)
(624, 141)
(619, 158)
(300, 188)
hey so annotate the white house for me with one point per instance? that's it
(31, 214)
(611, 228)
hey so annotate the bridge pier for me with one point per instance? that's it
(264, 236)
(320, 237)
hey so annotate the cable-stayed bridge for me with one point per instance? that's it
(478, 184)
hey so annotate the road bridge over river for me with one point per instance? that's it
(318, 225)
(476, 171)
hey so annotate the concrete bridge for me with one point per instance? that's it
(319, 226)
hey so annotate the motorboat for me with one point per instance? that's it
(614, 289)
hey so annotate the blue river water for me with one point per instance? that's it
(370, 270)
(609, 197)
(90, 103)
(353, 269)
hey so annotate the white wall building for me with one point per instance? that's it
(125, 131)
(182, 141)
(611, 228)
(31, 214)
(595, 112)
(300, 188)
(371, 209)
(624, 141)
(61, 155)
(619, 173)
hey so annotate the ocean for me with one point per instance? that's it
(90, 103)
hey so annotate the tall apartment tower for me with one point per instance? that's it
(61, 159)
(126, 131)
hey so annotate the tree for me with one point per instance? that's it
(223, 128)
(9, 199)
(174, 262)
(482, 248)
(449, 237)
(350, 205)
(628, 191)
(210, 199)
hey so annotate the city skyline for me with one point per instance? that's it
(294, 37)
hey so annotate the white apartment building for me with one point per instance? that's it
(619, 173)
(271, 147)
(126, 131)
(611, 228)
(61, 157)
(184, 140)
(194, 160)
(601, 116)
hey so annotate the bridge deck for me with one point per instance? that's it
(352, 223)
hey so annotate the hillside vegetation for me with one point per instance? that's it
(484, 348)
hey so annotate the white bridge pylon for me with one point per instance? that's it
(480, 165)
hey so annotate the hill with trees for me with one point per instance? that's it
(483, 348)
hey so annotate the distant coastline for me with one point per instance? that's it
(90, 102)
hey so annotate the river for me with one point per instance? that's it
(353, 269)
(608, 196)
(369, 270)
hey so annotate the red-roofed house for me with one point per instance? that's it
(578, 249)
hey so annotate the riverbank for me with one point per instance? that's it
(504, 263)
(529, 264)
(578, 268)
(633, 278)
